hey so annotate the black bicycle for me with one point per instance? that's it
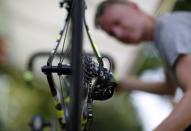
(81, 78)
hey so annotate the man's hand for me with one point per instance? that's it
(124, 85)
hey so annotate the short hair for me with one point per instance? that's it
(102, 6)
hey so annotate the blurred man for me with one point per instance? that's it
(171, 34)
(2, 50)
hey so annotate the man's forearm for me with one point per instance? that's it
(151, 87)
(180, 118)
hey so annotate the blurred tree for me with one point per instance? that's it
(182, 5)
(117, 114)
(149, 59)
(24, 102)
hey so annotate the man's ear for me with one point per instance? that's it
(97, 23)
(99, 12)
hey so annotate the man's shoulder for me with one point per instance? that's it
(174, 18)
(173, 23)
(172, 27)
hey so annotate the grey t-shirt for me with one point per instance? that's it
(173, 36)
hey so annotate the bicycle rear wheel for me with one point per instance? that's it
(80, 104)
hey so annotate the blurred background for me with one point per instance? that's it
(31, 26)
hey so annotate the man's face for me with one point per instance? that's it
(123, 22)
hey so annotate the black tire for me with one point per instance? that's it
(76, 62)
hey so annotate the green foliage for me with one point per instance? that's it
(147, 63)
(182, 5)
(116, 115)
(24, 101)
(2, 128)
(148, 59)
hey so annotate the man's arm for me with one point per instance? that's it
(180, 118)
(164, 88)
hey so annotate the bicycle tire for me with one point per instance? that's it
(77, 16)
